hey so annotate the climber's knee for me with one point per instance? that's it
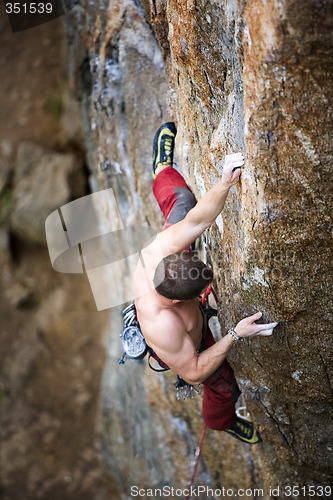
(184, 203)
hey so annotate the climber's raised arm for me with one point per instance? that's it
(181, 235)
(212, 203)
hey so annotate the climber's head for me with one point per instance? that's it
(182, 276)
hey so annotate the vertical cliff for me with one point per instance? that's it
(254, 76)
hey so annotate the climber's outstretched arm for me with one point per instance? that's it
(176, 348)
(180, 236)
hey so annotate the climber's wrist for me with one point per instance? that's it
(225, 181)
(234, 335)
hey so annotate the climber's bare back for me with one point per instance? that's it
(164, 323)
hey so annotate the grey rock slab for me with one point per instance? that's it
(42, 183)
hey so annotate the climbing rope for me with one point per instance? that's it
(197, 457)
(204, 296)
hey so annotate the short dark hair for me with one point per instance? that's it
(182, 276)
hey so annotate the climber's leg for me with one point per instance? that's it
(220, 394)
(171, 191)
(173, 195)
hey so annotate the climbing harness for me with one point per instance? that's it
(135, 347)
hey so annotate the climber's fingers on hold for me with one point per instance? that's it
(266, 332)
(233, 162)
(237, 165)
(263, 329)
(254, 317)
(235, 174)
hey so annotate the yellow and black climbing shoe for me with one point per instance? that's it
(163, 146)
(244, 431)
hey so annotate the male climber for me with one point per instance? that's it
(169, 279)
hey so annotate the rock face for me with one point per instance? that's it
(254, 76)
(43, 182)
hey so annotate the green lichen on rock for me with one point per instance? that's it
(53, 104)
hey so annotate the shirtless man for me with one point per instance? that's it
(169, 279)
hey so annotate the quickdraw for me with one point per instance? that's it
(185, 390)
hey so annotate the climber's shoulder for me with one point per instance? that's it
(175, 238)
(159, 325)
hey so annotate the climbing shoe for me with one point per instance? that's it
(163, 146)
(244, 431)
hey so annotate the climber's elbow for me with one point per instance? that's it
(192, 370)
(196, 222)
(197, 381)
(194, 381)
(194, 377)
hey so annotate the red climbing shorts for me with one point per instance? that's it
(173, 196)
(220, 389)
(220, 394)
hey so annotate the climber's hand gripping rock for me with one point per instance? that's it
(248, 328)
(232, 169)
